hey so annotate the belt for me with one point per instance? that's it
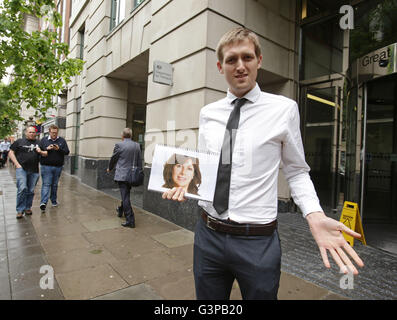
(238, 228)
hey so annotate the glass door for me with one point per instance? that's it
(379, 178)
(320, 109)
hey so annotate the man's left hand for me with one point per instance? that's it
(328, 234)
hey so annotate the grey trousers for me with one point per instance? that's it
(125, 189)
(220, 258)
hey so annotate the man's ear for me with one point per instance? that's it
(219, 65)
(260, 61)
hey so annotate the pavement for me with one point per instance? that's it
(93, 257)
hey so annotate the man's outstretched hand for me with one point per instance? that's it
(328, 234)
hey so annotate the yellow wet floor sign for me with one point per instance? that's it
(350, 217)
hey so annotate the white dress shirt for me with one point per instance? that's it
(5, 146)
(268, 134)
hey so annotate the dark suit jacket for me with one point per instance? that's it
(126, 154)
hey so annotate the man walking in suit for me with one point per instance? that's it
(126, 154)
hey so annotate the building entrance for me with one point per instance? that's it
(379, 164)
(380, 170)
(320, 117)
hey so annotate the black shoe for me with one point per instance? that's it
(128, 225)
(42, 207)
(119, 211)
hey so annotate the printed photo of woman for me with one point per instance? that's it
(182, 171)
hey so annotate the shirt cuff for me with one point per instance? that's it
(310, 207)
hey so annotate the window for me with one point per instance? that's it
(375, 26)
(322, 49)
(77, 134)
(137, 3)
(81, 51)
(63, 21)
(117, 14)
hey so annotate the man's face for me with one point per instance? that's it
(53, 134)
(240, 66)
(30, 133)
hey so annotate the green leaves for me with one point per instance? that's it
(8, 114)
(40, 67)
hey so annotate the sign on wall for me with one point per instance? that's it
(162, 73)
(375, 64)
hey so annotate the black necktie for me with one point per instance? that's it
(221, 197)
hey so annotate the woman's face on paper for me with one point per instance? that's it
(182, 174)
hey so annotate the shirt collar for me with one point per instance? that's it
(252, 95)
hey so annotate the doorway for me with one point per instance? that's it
(380, 178)
(320, 118)
(379, 175)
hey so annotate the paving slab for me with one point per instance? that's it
(53, 232)
(34, 250)
(293, 288)
(26, 280)
(177, 285)
(147, 267)
(23, 242)
(91, 282)
(175, 239)
(3, 254)
(151, 225)
(24, 264)
(81, 258)
(141, 246)
(4, 269)
(141, 291)
(39, 294)
(183, 253)
(86, 217)
(48, 219)
(17, 234)
(112, 236)
(63, 244)
(5, 292)
(27, 227)
(98, 225)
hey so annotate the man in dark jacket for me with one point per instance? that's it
(126, 154)
(24, 153)
(54, 149)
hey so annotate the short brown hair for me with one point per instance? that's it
(53, 127)
(181, 159)
(237, 35)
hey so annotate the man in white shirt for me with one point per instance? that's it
(237, 238)
(2, 162)
(6, 148)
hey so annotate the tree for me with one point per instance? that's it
(39, 60)
(8, 115)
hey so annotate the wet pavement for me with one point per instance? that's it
(93, 257)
